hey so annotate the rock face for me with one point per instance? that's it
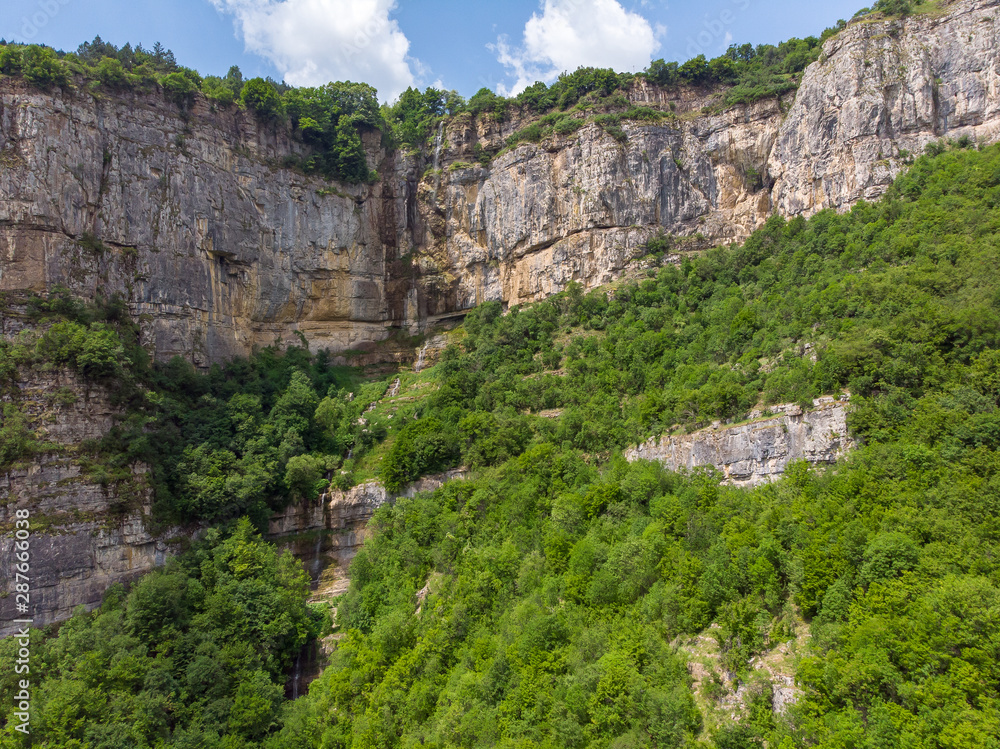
(191, 218)
(578, 207)
(882, 90)
(84, 537)
(217, 247)
(326, 534)
(757, 452)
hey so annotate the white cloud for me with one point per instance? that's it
(571, 33)
(313, 42)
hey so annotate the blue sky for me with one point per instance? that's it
(395, 43)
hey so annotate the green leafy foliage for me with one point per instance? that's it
(41, 67)
(414, 115)
(544, 601)
(194, 655)
(751, 73)
(423, 447)
(262, 98)
(331, 118)
(551, 583)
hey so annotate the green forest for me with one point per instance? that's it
(561, 596)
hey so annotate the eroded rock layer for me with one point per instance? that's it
(327, 533)
(758, 451)
(83, 535)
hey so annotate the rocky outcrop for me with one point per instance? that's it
(758, 451)
(882, 91)
(579, 207)
(84, 536)
(191, 217)
(326, 533)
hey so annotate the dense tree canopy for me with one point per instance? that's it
(194, 655)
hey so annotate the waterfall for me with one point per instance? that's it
(394, 390)
(315, 562)
(437, 144)
(420, 358)
(297, 674)
(437, 157)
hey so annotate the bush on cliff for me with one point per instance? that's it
(41, 67)
(261, 98)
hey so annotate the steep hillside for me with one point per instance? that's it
(693, 449)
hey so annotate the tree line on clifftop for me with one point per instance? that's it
(333, 118)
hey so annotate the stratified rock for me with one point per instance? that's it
(83, 537)
(191, 217)
(218, 247)
(757, 452)
(878, 95)
(326, 533)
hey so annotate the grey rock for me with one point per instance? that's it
(759, 451)
(83, 537)
(233, 250)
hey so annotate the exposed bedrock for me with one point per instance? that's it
(759, 450)
(218, 247)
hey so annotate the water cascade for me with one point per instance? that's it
(437, 156)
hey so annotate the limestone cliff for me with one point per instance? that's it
(326, 533)
(576, 208)
(757, 452)
(190, 215)
(217, 247)
(84, 535)
(880, 93)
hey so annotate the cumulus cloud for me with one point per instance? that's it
(313, 42)
(571, 33)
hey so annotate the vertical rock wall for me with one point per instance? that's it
(84, 536)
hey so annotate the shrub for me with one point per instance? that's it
(42, 68)
(62, 343)
(101, 352)
(16, 440)
(111, 73)
(217, 90)
(10, 60)
(304, 476)
(261, 98)
(422, 447)
(179, 89)
(531, 134)
(567, 125)
(893, 7)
